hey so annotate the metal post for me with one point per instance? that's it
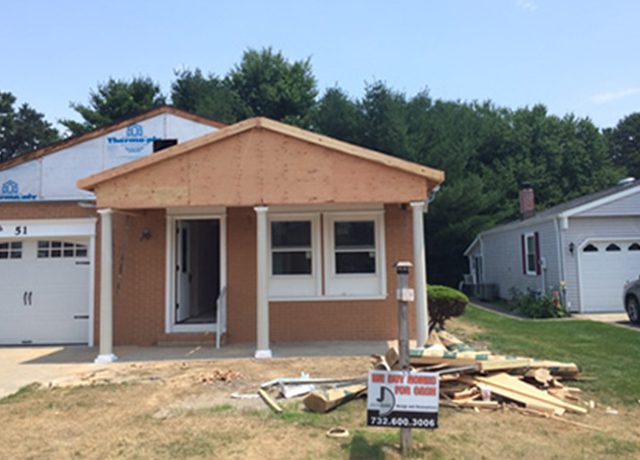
(404, 295)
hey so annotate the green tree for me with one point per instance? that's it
(209, 96)
(336, 115)
(113, 101)
(23, 129)
(624, 144)
(274, 87)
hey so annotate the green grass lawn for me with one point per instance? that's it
(608, 353)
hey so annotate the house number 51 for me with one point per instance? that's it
(20, 230)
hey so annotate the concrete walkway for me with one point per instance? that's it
(20, 366)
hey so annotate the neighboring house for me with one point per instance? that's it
(591, 243)
(258, 231)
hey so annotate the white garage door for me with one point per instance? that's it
(604, 268)
(44, 291)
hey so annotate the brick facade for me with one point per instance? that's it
(139, 274)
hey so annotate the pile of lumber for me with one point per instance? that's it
(468, 379)
(483, 380)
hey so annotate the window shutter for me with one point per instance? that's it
(524, 255)
(538, 268)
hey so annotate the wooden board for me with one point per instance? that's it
(513, 388)
(326, 400)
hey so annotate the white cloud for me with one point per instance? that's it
(528, 5)
(610, 96)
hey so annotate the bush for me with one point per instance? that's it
(444, 303)
(535, 306)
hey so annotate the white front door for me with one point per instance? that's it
(605, 266)
(44, 291)
(183, 271)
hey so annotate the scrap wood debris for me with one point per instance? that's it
(484, 380)
(469, 379)
(218, 375)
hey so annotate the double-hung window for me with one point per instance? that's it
(354, 255)
(530, 253)
(327, 255)
(294, 256)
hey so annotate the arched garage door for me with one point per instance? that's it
(604, 268)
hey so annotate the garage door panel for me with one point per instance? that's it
(603, 272)
(57, 294)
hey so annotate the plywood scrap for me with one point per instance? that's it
(513, 388)
(540, 375)
(392, 357)
(325, 400)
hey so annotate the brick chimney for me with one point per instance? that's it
(527, 201)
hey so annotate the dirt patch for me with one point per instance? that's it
(184, 410)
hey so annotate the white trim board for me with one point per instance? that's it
(602, 201)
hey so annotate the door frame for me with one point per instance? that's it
(173, 215)
(61, 228)
(579, 265)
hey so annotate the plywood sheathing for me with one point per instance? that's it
(261, 161)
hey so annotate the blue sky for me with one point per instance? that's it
(572, 56)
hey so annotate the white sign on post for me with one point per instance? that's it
(402, 399)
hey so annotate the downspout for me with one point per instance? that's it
(561, 274)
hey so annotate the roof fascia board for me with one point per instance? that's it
(602, 201)
(471, 246)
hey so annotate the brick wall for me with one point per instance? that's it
(139, 273)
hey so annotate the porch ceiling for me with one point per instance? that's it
(260, 161)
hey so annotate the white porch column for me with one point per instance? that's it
(106, 287)
(262, 286)
(418, 209)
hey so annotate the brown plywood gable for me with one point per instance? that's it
(260, 166)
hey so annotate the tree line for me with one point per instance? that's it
(487, 151)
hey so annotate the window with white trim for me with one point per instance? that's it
(326, 255)
(294, 256)
(354, 254)
(531, 256)
(11, 250)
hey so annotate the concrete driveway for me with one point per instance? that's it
(20, 366)
(618, 319)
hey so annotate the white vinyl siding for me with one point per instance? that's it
(503, 264)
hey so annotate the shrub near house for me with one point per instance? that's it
(444, 303)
